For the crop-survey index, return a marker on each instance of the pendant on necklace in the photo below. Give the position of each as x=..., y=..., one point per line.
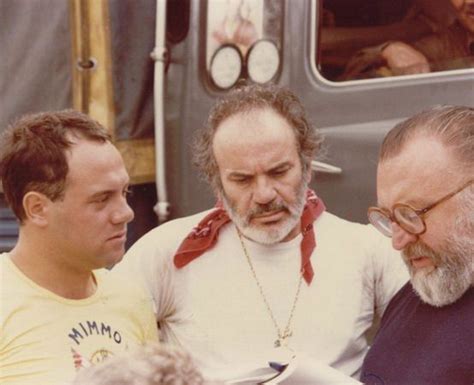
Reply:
x=282, y=340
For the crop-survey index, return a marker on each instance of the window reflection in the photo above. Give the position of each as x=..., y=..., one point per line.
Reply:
x=360, y=39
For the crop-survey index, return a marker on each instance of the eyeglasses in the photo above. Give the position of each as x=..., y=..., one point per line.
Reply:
x=409, y=219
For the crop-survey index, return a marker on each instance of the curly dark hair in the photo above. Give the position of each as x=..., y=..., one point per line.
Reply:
x=33, y=153
x=245, y=99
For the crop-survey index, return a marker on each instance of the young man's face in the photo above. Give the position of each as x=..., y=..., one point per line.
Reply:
x=439, y=260
x=90, y=223
x=263, y=187
x=465, y=13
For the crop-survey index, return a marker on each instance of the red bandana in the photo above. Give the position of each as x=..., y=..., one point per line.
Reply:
x=204, y=235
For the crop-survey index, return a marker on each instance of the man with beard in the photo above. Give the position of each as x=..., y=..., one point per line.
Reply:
x=268, y=266
x=426, y=204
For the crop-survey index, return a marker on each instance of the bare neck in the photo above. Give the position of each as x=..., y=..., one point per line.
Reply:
x=38, y=262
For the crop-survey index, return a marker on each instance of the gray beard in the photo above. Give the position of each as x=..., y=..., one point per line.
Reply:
x=452, y=276
x=271, y=235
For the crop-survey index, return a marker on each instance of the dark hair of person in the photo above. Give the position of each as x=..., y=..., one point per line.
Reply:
x=33, y=153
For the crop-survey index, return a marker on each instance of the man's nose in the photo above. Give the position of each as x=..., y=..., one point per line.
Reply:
x=264, y=191
x=400, y=237
x=123, y=213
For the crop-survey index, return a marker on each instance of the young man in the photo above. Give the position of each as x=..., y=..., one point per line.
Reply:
x=268, y=266
x=425, y=191
x=67, y=185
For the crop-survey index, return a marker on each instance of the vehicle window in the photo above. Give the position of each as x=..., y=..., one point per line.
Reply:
x=359, y=39
x=243, y=41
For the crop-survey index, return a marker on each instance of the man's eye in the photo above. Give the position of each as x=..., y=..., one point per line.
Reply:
x=279, y=172
x=127, y=192
x=102, y=199
x=241, y=180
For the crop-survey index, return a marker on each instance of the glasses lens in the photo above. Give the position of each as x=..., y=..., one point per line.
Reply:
x=381, y=222
x=408, y=219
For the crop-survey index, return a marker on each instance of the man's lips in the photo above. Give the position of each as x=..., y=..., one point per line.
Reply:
x=421, y=261
x=119, y=236
x=271, y=216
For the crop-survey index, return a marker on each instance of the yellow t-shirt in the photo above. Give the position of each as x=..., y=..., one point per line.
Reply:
x=45, y=338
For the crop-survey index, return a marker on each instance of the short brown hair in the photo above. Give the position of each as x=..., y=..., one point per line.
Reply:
x=452, y=125
x=245, y=99
x=32, y=153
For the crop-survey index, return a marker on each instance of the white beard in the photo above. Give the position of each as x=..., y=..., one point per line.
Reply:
x=452, y=276
x=272, y=234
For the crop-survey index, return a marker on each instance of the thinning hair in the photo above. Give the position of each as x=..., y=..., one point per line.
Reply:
x=33, y=153
x=452, y=125
x=243, y=100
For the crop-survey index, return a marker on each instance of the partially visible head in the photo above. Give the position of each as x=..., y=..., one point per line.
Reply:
x=150, y=365
x=465, y=13
x=256, y=153
x=423, y=159
x=66, y=183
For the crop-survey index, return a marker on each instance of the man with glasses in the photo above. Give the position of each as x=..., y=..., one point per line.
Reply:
x=425, y=204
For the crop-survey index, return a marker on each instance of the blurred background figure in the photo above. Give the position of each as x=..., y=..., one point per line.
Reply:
x=351, y=26
x=150, y=365
x=446, y=48
x=236, y=26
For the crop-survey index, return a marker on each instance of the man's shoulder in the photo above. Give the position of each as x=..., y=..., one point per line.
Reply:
x=173, y=231
x=12, y=279
x=117, y=285
x=332, y=223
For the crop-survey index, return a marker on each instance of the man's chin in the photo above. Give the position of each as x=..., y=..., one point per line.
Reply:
x=438, y=287
x=267, y=236
x=269, y=233
x=112, y=259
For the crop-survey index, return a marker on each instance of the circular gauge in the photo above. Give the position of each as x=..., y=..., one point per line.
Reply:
x=226, y=66
x=263, y=61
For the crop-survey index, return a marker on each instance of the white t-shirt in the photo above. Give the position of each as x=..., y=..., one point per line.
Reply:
x=213, y=306
x=45, y=339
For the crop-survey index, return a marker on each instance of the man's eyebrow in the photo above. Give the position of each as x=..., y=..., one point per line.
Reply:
x=100, y=193
x=108, y=191
x=238, y=174
x=282, y=164
x=416, y=203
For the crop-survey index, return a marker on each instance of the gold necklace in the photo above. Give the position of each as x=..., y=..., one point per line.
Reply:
x=287, y=333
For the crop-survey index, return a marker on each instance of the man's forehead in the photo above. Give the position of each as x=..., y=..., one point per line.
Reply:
x=422, y=168
x=95, y=162
x=255, y=125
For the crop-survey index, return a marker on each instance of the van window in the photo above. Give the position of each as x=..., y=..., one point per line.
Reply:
x=359, y=39
x=243, y=41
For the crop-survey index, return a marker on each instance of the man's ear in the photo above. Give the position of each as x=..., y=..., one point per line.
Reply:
x=36, y=205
